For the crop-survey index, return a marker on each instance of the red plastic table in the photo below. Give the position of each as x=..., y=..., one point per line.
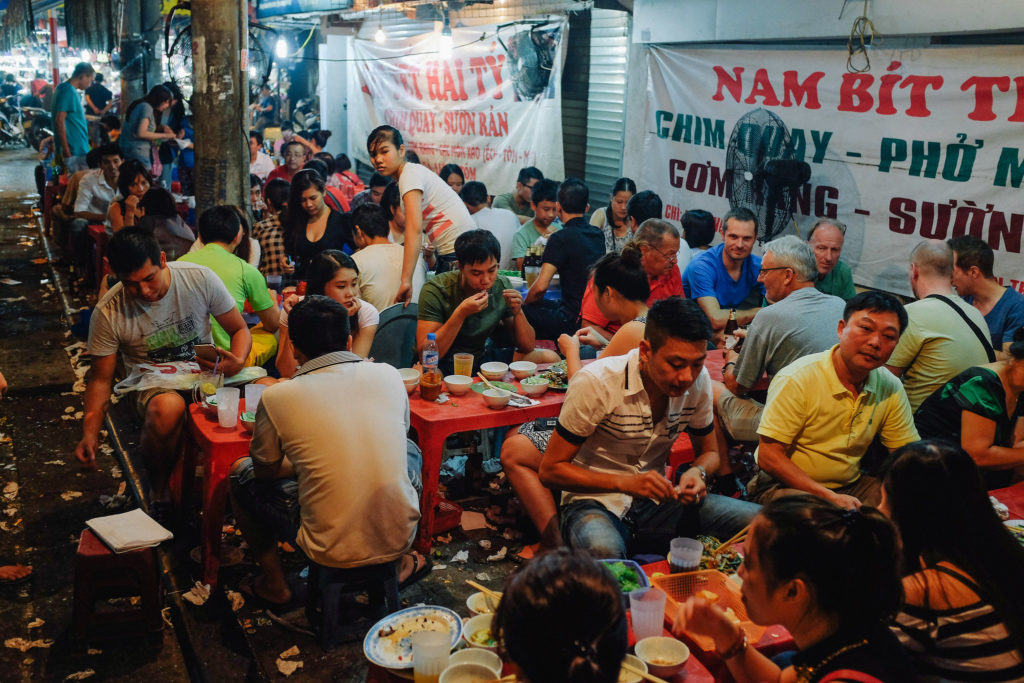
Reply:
x=221, y=447
x=1013, y=498
x=435, y=422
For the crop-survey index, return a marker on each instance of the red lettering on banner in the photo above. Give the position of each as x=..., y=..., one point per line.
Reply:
x=1018, y=114
x=495, y=66
x=918, y=93
x=853, y=93
x=794, y=91
x=734, y=85
x=982, y=86
x=462, y=83
x=477, y=66
x=762, y=88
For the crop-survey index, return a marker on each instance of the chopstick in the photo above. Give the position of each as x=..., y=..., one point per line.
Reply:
x=491, y=386
x=505, y=679
x=735, y=539
x=486, y=382
x=484, y=589
x=643, y=674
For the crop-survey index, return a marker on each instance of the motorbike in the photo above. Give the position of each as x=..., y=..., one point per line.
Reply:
x=11, y=130
x=305, y=118
x=37, y=124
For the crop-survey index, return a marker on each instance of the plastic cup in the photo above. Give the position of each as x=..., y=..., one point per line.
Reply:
x=647, y=611
x=227, y=406
x=430, y=652
x=463, y=364
x=274, y=283
x=685, y=554
x=253, y=392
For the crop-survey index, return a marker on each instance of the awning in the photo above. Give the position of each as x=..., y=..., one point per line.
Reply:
x=17, y=24
x=91, y=24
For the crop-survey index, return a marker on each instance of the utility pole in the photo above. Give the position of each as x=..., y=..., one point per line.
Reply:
x=142, y=48
x=152, y=40
x=221, y=102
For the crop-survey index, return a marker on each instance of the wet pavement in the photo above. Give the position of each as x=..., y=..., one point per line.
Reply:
x=47, y=499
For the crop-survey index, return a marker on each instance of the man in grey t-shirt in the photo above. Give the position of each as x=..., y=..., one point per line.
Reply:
x=800, y=321
x=157, y=313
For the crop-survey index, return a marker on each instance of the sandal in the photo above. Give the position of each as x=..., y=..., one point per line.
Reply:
x=18, y=581
x=418, y=570
x=247, y=587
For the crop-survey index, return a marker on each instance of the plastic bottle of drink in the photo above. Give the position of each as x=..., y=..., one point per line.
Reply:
x=430, y=354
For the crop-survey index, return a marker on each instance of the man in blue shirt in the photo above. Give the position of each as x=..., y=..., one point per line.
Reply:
x=724, y=278
x=71, y=133
x=973, y=279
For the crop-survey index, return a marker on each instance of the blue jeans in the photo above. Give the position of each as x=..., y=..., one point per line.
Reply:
x=648, y=527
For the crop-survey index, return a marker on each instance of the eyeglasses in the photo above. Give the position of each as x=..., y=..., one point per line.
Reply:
x=768, y=270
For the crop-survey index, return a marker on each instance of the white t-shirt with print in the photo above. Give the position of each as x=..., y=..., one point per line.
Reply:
x=163, y=331
x=445, y=217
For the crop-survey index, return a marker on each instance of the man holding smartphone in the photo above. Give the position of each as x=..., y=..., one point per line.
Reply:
x=158, y=313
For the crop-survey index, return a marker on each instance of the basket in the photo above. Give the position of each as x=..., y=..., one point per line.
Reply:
x=679, y=587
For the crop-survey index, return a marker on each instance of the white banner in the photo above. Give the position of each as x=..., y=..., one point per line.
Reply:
x=927, y=144
x=492, y=106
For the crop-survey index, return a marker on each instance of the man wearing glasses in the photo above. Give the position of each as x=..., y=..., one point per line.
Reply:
x=724, y=278
x=294, y=154
x=800, y=321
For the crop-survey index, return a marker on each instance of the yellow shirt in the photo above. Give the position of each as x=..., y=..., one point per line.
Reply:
x=827, y=429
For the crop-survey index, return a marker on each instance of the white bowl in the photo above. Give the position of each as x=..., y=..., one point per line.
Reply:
x=481, y=622
x=480, y=657
x=494, y=371
x=497, y=398
x=458, y=384
x=522, y=369
x=663, y=656
x=410, y=378
x=248, y=425
x=636, y=663
x=534, y=389
x=478, y=603
x=469, y=672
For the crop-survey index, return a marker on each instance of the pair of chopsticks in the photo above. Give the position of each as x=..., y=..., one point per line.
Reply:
x=491, y=386
x=484, y=589
x=642, y=674
x=741, y=536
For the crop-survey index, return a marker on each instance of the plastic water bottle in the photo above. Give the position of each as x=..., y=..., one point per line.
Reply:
x=430, y=354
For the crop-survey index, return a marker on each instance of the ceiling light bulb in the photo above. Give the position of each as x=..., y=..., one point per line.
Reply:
x=281, y=49
x=379, y=35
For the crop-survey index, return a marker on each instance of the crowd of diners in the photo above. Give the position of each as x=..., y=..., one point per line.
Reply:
x=881, y=428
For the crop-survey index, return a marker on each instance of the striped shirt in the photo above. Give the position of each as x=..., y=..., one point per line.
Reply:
x=953, y=634
x=607, y=413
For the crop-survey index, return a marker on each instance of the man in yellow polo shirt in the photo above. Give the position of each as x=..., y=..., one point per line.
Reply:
x=823, y=411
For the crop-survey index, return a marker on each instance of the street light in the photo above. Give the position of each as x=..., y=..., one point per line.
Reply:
x=281, y=48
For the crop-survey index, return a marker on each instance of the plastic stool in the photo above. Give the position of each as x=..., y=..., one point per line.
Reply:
x=327, y=585
x=101, y=574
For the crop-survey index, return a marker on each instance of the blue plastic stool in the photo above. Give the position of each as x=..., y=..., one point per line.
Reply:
x=327, y=585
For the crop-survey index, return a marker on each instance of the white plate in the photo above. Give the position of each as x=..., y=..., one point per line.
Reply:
x=394, y=651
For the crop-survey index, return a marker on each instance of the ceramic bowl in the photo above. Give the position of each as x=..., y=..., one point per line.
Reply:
x=458, y=384
x=536, y=387
x=494, y=371
x=522, y=369
x=468, y=672
x=629, y=677
x=497, y=398
x=475, y=655
x=474, y=628
x=410, y=378
x=663, y=656
x=479, y=603
x=248, y=421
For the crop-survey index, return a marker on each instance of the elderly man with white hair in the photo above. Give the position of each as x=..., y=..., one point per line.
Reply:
x=800, y=320
x=834, y=277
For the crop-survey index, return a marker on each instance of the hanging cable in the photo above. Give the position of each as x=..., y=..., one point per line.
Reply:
x=862, y=34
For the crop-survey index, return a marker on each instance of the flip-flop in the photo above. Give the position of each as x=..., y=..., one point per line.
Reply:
x=247, y=587
x=18, y=581
x=418, y=570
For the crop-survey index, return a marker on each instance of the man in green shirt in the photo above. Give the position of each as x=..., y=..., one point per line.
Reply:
x=472, y=304
x=543, y=198
x=518, y=202
x=834, y=276
x=221, y=231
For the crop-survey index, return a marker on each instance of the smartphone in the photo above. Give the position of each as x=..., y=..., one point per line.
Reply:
x=207, y=352
x=545, y=423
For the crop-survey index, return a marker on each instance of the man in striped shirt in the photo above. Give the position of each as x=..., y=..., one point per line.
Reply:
x=614, y=433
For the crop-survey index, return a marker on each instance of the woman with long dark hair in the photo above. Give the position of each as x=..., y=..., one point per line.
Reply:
x=613, y=219
x=963, y=618
x=453, y=175
x=334, y=274
x=142, y=128
x=133, y=181
x=831, y=577
x=310, y=226
x=561, y=620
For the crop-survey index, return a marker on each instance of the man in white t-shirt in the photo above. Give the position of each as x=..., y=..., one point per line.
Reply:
x=342, y=486
x=379, y=259
x=501, y=223
x=260, y=165
x=157, y=313
x=614, y=433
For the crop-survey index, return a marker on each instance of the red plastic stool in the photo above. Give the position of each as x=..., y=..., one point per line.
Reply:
x=101, y=574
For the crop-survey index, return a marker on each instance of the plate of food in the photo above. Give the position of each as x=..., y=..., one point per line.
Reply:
x=557, y=376
x=389, y=642
x=1016, y=527
x=480, y=387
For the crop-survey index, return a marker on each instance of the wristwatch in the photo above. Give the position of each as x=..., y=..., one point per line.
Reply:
x=701, y=470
